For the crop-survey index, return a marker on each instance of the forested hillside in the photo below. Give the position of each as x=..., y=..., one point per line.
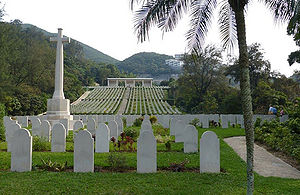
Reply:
x=88, y=52
x=147, y=63
x=27, y=65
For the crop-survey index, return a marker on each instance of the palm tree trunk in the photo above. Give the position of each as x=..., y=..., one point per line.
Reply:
x=246, y=95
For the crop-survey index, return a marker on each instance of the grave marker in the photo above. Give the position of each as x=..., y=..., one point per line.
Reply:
x=209, y=153
x=146, y=153
x=190, y=139
x=83, y=152
x=58, y=139
x=21, y=154
x=102, y=138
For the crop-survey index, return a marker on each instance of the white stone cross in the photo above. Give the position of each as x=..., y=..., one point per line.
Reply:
x=59, y=65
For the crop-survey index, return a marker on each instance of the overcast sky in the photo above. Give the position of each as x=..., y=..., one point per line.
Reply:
x=107, y=26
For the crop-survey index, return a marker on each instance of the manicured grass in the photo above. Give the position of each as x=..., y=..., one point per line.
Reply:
x=233, y=181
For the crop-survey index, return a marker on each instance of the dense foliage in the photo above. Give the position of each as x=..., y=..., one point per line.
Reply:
x=147, y=63
x=282, y=137
x=204, y=88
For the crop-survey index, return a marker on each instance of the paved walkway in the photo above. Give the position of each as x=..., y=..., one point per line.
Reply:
x=124, y=102
x=81, y=97
x=265, y=163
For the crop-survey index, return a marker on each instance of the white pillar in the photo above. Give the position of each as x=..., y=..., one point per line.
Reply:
x=59, y=65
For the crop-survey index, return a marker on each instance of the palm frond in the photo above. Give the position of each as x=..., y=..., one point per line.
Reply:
x=201, y=18
x=227, y=26
x=137, y=2
x=174, y=13
x=150, y=14
x=282, y=10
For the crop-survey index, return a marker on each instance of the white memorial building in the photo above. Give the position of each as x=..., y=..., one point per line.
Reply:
x=130, y=82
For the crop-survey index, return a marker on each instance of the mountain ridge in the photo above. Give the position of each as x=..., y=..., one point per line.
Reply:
x=89, y=52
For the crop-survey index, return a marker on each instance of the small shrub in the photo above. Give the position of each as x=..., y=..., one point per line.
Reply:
x=53, y=166
x=257, y=122
x=138, y=122
x=153, y=119
x=179, y=167
x=168, y=145
x=39, y=144
x=116, y=161
x=124, y=122
x=163, y=139
x=195, y=122
x=131, y=132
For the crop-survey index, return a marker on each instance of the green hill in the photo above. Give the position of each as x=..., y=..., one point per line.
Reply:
x=147, y=63
x=89, y=52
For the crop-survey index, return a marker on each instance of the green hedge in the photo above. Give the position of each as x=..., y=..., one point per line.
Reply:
x=283, y=137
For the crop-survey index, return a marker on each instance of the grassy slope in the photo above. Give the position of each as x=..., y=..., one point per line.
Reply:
x=231, y=182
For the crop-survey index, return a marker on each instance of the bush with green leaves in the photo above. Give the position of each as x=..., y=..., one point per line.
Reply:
x=153, y=119
x=40, y=144
x=131, y=132
x=138, y=122
x=124, y=121
x=49, y=165
x=116, y=161
x=195, y=122
x=280, y=136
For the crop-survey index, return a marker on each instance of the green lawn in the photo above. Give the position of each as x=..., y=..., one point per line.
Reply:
x=233, y=181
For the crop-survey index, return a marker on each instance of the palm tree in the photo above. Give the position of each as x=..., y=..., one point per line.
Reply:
x=166, y=13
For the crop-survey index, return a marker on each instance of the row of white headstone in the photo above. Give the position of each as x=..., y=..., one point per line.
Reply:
x=209, y=148
x=21, y=154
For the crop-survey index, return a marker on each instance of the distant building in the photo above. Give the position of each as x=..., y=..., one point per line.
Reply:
x=177, y=62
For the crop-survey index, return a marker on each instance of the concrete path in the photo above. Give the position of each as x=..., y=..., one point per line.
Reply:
x=124, y=102
x=265, y=163
x=81, y=97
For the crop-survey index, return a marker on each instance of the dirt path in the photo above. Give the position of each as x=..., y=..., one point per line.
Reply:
x=265, y=163
x=124, y=102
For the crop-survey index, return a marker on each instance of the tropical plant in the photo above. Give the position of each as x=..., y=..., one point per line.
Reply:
x=166, y=14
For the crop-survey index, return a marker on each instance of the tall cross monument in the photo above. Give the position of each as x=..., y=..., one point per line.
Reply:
x=58, y=107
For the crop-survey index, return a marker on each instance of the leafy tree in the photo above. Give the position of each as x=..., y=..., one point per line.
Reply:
x=200, y=70
x=259, y=68
x=294, y=29
x=166, y=13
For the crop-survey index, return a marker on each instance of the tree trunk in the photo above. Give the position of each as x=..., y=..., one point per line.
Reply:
x=246, y=95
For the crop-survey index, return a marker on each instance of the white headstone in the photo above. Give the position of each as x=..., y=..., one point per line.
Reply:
x=120, y=125
x=205, y=121
x=113, y=127
x=172, y=126
x=45, y=130
x=23, y=121
x=83, y=152
x=224, y=121
x=179, y=131
x=146, y=153
x=21, y=154
x=190, y=139
x=65, y=122
x=36, y=126
x=102, y=138
x=91, y=126
x=58, y=139
x=209, y=153
x=129, y=121
x=10, y=133
x=146, y=125
x=78, y=125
